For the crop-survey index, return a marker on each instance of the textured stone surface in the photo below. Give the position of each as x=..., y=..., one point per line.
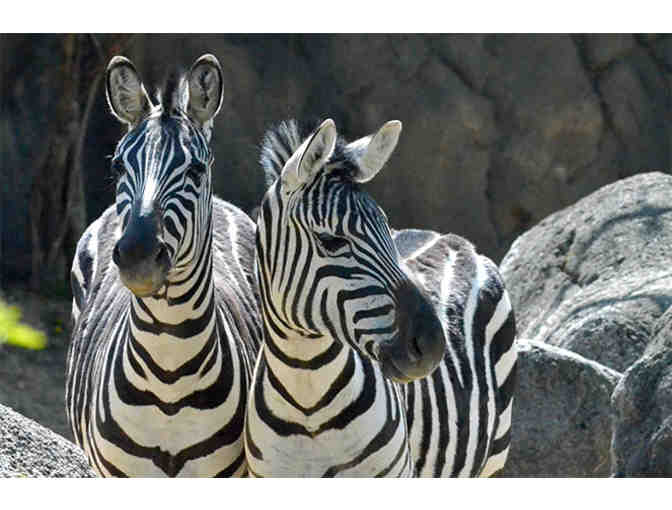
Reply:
x=642, y=402
x=499, y=130
x=609, y=334
x=561, y=424
x=27, y=449
x=602, y=49
x=635, y=91
x=595, y=277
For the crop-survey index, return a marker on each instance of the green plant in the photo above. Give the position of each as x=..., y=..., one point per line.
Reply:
x=15, y=333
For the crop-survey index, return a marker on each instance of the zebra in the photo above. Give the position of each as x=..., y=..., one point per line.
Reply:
x=165, y=302
x=385, y=353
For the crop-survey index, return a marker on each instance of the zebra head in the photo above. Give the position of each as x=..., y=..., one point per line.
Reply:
x=326, y=261
x=163, y=165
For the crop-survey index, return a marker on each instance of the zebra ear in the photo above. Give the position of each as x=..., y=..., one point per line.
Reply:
x=206, y=88
x=372, y=152
x=310, y=157
x=125, y=92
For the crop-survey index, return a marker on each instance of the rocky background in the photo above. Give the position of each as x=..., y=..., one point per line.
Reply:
x=499, y=133
x=499, y=130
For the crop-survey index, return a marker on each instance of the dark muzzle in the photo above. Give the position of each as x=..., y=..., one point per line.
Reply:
x=420, y=345
x=141, y=254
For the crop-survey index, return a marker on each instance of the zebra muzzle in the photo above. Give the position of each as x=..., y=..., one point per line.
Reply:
x=420, y=344
x=406, y=360
x=147, y=277
x=143, y=260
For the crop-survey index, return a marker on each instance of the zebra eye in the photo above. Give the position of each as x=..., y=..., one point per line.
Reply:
x=332, y=243
x=196, y=171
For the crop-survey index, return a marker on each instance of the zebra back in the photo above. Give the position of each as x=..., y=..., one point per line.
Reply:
x=475, y=384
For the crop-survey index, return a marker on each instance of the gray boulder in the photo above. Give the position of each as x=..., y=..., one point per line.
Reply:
x=561, y=421
x=642, y=402
x=27, y=449
x=594, y=277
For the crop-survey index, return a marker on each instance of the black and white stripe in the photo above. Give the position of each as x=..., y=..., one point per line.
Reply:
x=460, y=416
x=157, y=376
x=335, y=286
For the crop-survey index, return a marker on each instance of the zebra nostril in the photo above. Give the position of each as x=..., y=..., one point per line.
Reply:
x=414, y=348
x=162, y=254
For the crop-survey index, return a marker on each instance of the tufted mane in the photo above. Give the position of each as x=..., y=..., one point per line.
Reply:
x=173, y=92
x=283, y=139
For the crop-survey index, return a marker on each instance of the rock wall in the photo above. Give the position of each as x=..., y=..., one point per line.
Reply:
x=499, y=130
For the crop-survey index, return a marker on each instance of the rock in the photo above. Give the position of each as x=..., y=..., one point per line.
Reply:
x=467, y=56
x=663, y=51
x=561, y=423
x=447, y=143
x=551, y=126
x=642, y=402
x=608, y=334
x=637, y=99
x=594, y=277
x=602, y=49
x=27, y=449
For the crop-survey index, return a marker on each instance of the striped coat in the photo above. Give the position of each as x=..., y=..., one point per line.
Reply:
x=352, y=309
x=165, y=300
x=130, y=414
x=459, y=417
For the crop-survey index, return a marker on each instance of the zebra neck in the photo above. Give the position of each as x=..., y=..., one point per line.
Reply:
x=177, y=327
x=306, y=371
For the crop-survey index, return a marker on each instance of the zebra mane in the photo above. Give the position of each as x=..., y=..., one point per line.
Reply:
x=278, y=145
x=282, y=140
x=173, y=94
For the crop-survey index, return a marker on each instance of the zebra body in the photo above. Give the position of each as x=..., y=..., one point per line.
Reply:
x=302, y=426
x=327, y=397
x=459, y=416
x=165, y=301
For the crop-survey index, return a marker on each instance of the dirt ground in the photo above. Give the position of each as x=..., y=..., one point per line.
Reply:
x=33, y=382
